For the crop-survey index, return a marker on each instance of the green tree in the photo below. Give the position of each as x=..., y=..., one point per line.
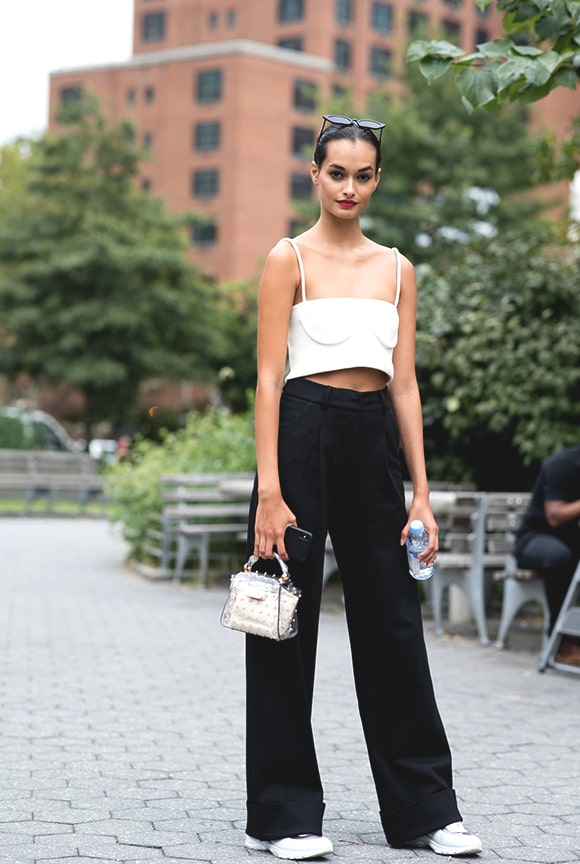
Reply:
x=14, y=160
x=447, y=174
x=95, y=288
x=498, y=359
x=233, y=351
x=539, y=51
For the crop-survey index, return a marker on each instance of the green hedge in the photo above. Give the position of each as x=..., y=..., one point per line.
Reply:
x=12, y=434
x=210, y=441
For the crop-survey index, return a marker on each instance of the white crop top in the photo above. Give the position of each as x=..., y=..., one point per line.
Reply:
x=332, y=333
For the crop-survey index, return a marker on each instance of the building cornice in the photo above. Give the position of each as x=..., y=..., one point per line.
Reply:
x=209, y=51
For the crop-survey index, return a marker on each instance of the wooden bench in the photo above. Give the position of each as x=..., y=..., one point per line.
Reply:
x=34, y=474
x=457, y=562
x=198, y=525
x=15, y=473
x=480, y=543
x=56, y=474
x=504, y=514
x=196, y=510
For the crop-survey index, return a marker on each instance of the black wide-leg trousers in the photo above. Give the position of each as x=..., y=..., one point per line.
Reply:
x=340, y=472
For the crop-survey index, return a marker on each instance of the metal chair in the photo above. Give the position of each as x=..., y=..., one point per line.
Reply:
x=567, y=624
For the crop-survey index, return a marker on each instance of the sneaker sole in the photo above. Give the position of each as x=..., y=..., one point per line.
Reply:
x=426, y=843
x=448, y=850
x=267, y=846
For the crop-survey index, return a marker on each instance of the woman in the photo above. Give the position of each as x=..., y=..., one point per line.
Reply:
x=327, y=443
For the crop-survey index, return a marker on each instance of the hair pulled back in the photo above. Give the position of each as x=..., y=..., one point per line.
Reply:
x=349, y=133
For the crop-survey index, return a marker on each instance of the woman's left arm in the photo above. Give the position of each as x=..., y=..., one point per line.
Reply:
x=406, y=401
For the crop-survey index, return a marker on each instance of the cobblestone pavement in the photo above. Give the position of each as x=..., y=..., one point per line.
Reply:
x=121, y=722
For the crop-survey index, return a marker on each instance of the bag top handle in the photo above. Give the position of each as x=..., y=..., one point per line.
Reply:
x=283, y=566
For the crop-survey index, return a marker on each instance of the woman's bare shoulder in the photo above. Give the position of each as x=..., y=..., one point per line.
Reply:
x=280, y=256
x=281, y=250
x=281, y=264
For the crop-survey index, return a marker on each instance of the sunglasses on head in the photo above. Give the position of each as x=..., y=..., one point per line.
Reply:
x=339, y=120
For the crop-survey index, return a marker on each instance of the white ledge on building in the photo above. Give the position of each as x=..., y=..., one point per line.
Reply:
x=214, y=49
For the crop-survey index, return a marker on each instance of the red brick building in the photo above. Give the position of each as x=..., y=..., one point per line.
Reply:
x=225, y=96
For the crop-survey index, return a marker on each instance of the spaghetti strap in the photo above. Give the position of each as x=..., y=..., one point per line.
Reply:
x=398, y=257
x=294, y=245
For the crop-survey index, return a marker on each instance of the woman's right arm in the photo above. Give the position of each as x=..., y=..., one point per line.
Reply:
x=278, y=285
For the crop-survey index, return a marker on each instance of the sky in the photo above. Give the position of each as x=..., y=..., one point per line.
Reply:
x=38, y=37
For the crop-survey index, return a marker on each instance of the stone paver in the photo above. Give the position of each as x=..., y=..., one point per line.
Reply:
x=122, y=722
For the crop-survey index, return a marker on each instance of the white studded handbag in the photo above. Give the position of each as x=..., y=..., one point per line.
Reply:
x=263, y=604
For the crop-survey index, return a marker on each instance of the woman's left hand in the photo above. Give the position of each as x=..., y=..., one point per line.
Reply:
x=425, y=514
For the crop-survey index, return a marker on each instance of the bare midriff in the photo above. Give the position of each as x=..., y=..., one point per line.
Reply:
x=360, y=378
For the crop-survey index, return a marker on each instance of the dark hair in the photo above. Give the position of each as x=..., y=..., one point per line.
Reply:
x=350, y=133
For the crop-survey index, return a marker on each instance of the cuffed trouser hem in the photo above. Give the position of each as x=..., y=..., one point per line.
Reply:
x=285, y=819
x=422, y=817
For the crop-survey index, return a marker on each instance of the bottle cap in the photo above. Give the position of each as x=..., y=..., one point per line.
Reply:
x=416, y=526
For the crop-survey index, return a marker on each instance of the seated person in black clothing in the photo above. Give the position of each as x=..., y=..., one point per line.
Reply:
x=548, y=540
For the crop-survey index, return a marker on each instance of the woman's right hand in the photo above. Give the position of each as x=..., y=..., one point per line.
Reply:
x=272, y=518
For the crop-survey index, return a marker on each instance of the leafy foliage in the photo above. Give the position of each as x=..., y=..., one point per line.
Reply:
x=12, y=434
x=95, y=289
x=499, y=359
x=446, y=174
x=210, y=441
x=14, y=173
x=539, y=52
x=232, y=353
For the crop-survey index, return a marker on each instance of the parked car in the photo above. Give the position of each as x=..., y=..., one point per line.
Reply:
x=41, y=431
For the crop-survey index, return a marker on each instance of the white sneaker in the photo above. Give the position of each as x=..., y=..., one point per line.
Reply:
x=451, y=840
x=295, y=848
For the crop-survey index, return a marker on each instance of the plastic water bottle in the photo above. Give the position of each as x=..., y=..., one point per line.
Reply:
x=417, y=541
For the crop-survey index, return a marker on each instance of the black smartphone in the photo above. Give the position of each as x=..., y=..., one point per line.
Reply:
x=297, y=542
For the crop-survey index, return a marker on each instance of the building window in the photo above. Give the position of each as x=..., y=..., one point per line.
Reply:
x=300, y=187
x=302, y=141
x=149, y=95
x=207, y=136
x=380, y=62
x=70, y=94
x=204, y=233
x=290, y=10
x=147, y=141
x=304, y=95
x=382, y=17
x=153, y=27
x=131, y=96
x=232, y=18
x=418, y=22
x=342, y=54
x=452, y=31
x=344, y=11
x=339, y=91
x=209, y=85
x=454, y=3
x=212, y=20
x=145, y=185
x=205, y=183
x=293, y=44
